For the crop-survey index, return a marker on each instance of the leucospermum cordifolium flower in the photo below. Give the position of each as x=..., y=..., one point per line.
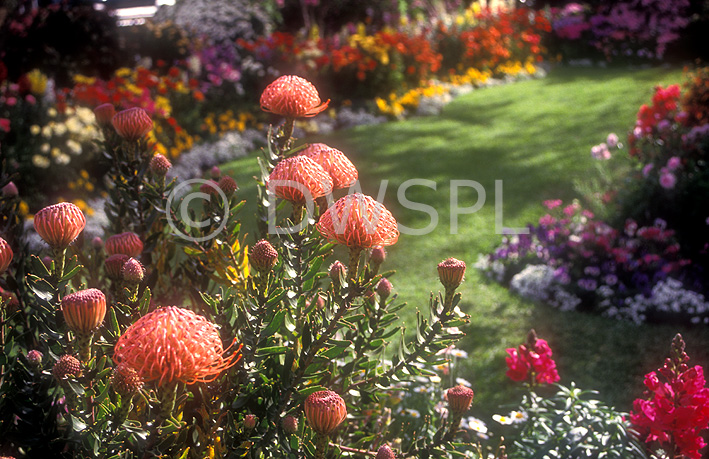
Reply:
x=84, y=310
x=293, y=97
x=5, y=255
x=132, y=124
x=357, y=220
x=127, y=243
x=174, y=344
x=325, y=411
x=59, y=224
x=334, y=162
x=298, y=179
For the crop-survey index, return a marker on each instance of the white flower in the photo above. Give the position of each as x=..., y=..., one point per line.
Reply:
x=40, y=161
x=502, y=419
x=73, y=146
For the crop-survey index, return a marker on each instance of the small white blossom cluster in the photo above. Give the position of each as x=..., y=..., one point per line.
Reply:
x=533, y=282
x=668, y=296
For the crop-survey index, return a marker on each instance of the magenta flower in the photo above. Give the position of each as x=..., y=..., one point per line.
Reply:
x=668, y=180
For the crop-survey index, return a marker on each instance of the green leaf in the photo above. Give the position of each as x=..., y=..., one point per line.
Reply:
x=275, y=324
x=77, y=424
x=272, y=350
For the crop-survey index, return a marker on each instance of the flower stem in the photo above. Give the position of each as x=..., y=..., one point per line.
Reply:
x=321, y=446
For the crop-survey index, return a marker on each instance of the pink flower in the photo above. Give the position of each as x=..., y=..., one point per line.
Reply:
x=535, y=357
x=4, y=124
x=673, y=163
x=601, y=152
x=612, y=140
x=552, y=203
x=668, y=180
x=647, y=168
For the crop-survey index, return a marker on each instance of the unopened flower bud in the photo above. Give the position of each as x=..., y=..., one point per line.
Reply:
x=126, y=243
x=384, y=288
x=84, y=310
x=114, y=265
x=337, y=271
x=459, y=399
x=325, y=411
x=159, y=165
x=104, y=114
x=385, y=452
x=125, y=380
x=97, y=243
x=250, y=421
x=132, y=124
x=228, y=185
x=263, y=256
x=290, y=424
x=66, y=366
x=133, y=271
x=210, y=187
x=451, y=272
x=6, y=255
x=378, y=255
x=58, y=225
x=215, y=172
x=9, y=190
x=34, y=357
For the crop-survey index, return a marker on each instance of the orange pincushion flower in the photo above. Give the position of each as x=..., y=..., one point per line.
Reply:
x=293, y=97
x=357, y=220
x=294, y=175
x=325, y=410
x=84, y=310
x=126, y=243
x=5, y=255
x=132, y=124
x=59, y=224
x=335, y=163
x=174, y=344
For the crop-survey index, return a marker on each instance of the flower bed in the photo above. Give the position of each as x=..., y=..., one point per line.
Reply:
x=647, y=259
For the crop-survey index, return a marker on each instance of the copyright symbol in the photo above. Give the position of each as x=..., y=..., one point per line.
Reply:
x=185, y=201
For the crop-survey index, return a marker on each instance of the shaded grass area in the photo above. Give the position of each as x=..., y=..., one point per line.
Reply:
x=535, y=137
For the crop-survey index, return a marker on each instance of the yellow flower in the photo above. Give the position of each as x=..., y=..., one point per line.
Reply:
x=34, y=129
x=24, y=209
x=38, y=82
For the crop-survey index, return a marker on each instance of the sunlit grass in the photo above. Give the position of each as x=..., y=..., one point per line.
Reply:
x=535, y=137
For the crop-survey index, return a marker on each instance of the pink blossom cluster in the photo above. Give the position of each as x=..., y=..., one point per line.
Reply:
x=532, y=360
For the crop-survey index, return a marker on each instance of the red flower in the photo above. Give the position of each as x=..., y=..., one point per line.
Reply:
x=325, y=410
x=174, y=344
x=535, y=357
x=59, y=224
x=335, y=163
x=84, y=310
x=675, y=409
x=357, y=220
x=5, y=255
x=127, y=243
x=263, y=256
x=298, y=176
x=293, y=97
x=114, y=265
x=132, y=124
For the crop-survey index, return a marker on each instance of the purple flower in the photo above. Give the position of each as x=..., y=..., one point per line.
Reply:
x=647, y=168
x=588, y=284
x=668, y=180
x=673, y=163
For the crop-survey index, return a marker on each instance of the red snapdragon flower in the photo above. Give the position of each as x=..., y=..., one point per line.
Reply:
x=675, y=409
x=534, y=356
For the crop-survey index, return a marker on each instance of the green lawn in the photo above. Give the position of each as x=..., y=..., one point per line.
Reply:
x=535, y=136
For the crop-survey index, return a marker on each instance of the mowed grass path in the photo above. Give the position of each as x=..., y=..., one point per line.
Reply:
x=534, y=136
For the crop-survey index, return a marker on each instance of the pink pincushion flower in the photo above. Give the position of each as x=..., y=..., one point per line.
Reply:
x=293, y=97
